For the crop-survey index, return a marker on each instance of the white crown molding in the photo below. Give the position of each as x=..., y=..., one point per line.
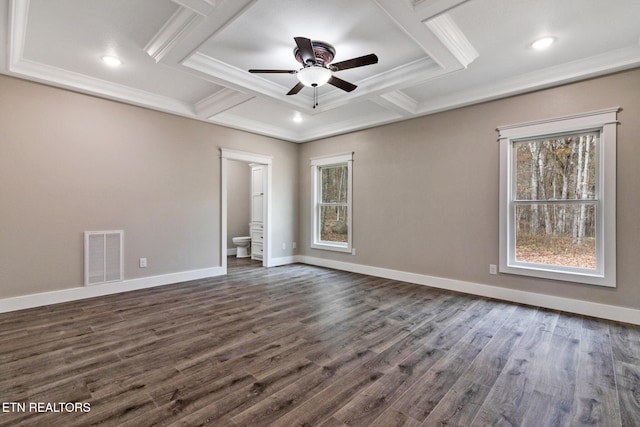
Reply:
x=201, y=7
x=606, y=63
x=427, y=9
x=80, y=82
x=406, y=18
x=401, y=106
x=350, y=125
x=222, y=73
x=17, y=33
x=228, y=75
x=398, y=101
x=79, y=293
x=254, y=126
x=220, y=101
x=21, y=67
x=453, y=38
x=176, y=28
x=586, y=308
x=410, y=74
x=390, y=89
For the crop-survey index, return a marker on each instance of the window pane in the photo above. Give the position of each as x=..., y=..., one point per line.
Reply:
x=556, y=234
x=333, y=224
x=558, y=168
x=334, y=184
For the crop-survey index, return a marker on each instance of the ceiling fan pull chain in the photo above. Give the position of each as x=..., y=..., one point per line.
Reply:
x=315, y=96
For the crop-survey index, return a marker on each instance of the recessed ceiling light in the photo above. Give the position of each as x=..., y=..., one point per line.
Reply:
x=543, y=43
x=111, y=61
x=297, y=117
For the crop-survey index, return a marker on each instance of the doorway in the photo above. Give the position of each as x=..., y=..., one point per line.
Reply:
x=246, y=157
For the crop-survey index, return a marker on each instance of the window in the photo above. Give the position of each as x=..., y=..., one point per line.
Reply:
x=557, y=198
x=331, y=203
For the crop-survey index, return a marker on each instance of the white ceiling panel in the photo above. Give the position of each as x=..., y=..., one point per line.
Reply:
x=190, y=57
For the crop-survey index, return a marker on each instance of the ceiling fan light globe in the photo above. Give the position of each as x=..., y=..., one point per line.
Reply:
x=314, y=76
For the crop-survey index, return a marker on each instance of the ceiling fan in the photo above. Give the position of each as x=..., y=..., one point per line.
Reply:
x=315, y=57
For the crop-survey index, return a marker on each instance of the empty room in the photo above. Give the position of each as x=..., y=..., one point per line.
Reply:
x=319, y=213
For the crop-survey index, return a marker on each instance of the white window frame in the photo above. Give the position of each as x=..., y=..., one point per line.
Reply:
x=606, y=122
x=316, y=164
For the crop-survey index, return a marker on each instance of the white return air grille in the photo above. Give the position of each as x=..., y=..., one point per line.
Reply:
x=102, y=257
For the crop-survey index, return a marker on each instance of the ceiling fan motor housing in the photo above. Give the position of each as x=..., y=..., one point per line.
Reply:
x=324, y=53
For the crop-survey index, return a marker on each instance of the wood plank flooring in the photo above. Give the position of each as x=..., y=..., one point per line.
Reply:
x=301, y=345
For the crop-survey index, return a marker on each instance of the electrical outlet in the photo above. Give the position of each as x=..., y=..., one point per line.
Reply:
x=284, y=246
x=293, y=245
x=143, y=263
x=493, y=269
x=353, y=251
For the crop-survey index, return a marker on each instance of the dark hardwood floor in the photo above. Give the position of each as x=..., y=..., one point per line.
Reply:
x=301, y=345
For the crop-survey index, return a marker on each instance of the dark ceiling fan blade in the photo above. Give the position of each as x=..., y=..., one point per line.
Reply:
x=341, y=84
x=305, y=48
x=297, y=88
x=274, y=71
x=355, y=62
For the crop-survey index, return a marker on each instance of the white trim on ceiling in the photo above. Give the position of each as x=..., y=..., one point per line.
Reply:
x=176, y=28
x=621, y=59
x=398, y=101
x=426, y=9
x=220, y=102
x=176, y=46
x=413, y=25
x=18, y=18
x=452, y=37
x=201, y=7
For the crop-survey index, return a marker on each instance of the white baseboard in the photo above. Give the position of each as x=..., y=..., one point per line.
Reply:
x=72, y=294
x=276, y=262
x=232, y=251
x=587, y=308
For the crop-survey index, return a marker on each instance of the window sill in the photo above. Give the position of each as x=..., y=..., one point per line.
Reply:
x=586, y=277
x=331, y=247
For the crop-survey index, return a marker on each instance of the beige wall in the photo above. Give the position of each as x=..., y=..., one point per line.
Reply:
x=71, y=162
x=426, y=190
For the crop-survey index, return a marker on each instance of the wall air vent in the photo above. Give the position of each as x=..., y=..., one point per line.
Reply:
x=103, y=261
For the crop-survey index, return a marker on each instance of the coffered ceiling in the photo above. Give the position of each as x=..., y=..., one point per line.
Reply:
x=190, y=57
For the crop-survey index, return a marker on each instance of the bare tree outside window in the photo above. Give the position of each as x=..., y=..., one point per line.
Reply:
x=333, y=203
x=555, y=200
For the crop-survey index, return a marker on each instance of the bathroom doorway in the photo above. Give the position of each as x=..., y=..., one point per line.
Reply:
x=227, y=155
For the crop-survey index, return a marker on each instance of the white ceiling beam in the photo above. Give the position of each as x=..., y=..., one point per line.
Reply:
x=221, y=14
x=427, y=9
x=618, y=60
x=176, y=28
x=193, y=22
x=220, y=101
x=397, y=101
x=201, y=7
x=402, y=13
x=453, y=38
x=18, y=17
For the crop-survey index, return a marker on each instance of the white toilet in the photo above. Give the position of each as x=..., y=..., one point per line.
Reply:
x=243, y=244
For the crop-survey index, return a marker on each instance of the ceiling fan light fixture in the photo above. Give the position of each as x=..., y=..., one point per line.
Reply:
x=314, y=76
